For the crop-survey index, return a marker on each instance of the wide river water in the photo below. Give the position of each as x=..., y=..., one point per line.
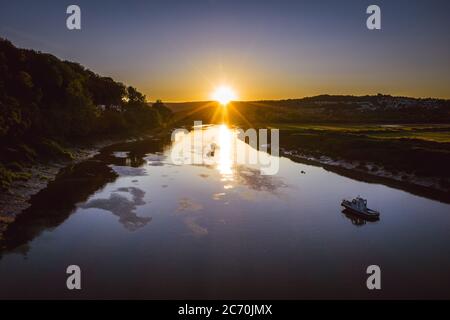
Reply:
x=141, y=225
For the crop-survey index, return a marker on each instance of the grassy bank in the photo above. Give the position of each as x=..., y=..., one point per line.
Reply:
x=406, y=151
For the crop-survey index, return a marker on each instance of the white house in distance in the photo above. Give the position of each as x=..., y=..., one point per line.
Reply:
x=103, y=107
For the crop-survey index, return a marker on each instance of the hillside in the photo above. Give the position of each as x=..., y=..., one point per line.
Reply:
x=326, y=108
x=47, y=103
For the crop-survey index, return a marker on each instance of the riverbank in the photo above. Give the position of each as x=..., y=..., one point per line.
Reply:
x=414, y=155
x=430, y=187
x=38, y=175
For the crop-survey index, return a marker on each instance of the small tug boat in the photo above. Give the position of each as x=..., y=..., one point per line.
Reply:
x=359, y=206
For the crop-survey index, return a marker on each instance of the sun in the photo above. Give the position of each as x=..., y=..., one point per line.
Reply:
x=224, y=94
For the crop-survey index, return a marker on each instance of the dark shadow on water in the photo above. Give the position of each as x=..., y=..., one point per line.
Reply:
x=74, y=185
x=53, y=205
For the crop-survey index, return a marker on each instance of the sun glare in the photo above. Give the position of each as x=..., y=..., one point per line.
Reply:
x=224, y=95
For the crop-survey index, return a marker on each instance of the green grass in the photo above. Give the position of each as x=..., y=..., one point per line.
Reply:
x=8, y=175
x=14, y=162
x=420, y=149
x=427, y=132
x=443, y=137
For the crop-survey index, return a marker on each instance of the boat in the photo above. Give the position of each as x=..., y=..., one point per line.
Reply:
x=212, y=152
x=358, y=206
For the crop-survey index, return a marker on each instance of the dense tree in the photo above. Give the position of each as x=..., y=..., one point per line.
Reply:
x=42, y=98
x=135, y=98
x=41, y=95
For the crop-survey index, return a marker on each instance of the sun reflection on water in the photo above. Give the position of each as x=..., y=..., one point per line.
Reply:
x=225, y=160
x=218, y=147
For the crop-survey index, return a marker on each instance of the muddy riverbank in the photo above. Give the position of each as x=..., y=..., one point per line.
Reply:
x=17, y=198
x=429, y=187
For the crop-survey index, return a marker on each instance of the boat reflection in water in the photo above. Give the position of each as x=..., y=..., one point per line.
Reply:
x=357, y=219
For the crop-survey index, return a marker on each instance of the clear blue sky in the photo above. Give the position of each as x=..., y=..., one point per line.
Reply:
x=181, y=50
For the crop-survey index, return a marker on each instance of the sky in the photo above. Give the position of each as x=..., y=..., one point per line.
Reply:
x=182, y=50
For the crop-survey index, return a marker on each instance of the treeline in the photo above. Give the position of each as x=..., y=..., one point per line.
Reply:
x=345, y=111
x=324, y=109
x=45, y=102
x=42, y=95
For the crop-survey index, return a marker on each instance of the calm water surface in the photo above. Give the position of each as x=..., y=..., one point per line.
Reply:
x=141, y=226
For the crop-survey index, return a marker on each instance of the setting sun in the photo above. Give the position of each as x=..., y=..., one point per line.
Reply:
x=223, y=95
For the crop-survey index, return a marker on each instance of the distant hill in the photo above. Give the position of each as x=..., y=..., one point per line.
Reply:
x=327, y=108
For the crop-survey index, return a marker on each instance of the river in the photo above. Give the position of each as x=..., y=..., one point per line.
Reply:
x=141, y=225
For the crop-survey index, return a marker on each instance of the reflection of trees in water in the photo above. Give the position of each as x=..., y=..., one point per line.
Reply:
x=128, y=171
x=75, y=184
x=53, y=205
x=122, y=207
x=156, y=160
x=136, y=152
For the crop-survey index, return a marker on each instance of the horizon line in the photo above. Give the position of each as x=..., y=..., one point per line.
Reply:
x=312, y=96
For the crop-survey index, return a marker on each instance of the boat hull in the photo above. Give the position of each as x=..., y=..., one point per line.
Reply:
x=373, y=216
